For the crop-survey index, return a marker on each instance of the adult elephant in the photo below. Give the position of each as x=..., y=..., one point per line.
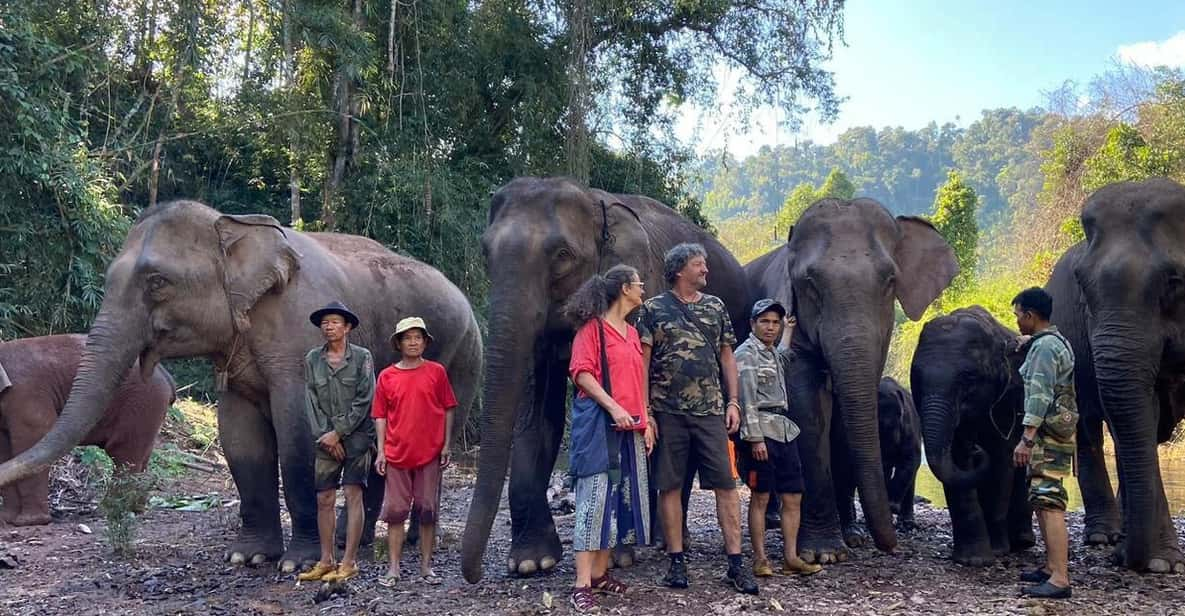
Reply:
x=968, y=389
x=1120, y=298
x=189, y=282
x=841, y=268
x=544, y=238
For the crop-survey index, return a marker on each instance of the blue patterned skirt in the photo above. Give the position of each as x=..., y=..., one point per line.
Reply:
x=608, y=515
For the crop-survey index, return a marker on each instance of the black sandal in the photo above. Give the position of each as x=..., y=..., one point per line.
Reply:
x=1036, y=576
x=583, y=599
x=1047, y=591
x=607, y=583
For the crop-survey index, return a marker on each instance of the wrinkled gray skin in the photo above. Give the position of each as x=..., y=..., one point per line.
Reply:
x=191, y=282
x=41, y=371
x=844, y=265
x=901, y=447
x=970, y=396
x=543, y=240
x=1120, y=298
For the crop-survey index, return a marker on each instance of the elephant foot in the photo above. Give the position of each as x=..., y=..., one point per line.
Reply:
x=906, y=525
x=36, y=518
x=974, y=555
x=301, y=553
x=854, y=537
x=1100, y=534
x=623, y=556
x=823, y=549
x=538, y=554
x=1165, y=559
x=248, y=550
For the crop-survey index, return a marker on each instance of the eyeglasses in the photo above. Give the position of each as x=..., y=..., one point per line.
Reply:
x=639, y=283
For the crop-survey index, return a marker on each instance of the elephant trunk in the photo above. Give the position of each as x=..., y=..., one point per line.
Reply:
x=938, y=428
x=507, y=366
x=111, y=346
x=1125, y=366
x=855, y=378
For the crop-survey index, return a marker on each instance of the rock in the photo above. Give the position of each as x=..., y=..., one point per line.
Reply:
x=8, y=560
x=84, y=529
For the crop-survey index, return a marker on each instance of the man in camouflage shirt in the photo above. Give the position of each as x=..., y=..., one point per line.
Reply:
x=687, y=343
x=769, y=453
x=1047, y=444
x=339, y=379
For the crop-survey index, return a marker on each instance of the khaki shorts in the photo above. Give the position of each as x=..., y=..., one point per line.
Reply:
x=1052, y=462
x=330, y=474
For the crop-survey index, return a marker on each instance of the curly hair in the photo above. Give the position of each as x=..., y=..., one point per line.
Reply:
x=676, y=259
x=598, y=293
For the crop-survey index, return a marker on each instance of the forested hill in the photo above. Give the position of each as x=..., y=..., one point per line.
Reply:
x=901, y=168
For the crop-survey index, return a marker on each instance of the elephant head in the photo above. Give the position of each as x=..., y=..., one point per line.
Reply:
x=1131, y=273
x=182, y=285
x=965, y=381
x=848, y=261
x=544, y=238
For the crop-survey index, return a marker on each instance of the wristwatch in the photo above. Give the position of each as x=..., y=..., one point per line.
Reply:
x=1028, y=442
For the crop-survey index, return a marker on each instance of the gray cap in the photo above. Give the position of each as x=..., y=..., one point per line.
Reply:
x=762, y=306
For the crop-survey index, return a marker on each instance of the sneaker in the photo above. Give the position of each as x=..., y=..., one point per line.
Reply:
x=761, y=568
x=742, y=580
x=677, y=575
x=799, y=566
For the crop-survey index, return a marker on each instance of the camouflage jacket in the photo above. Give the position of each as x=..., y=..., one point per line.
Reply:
x=339, y=399
x=1047, y=371
x=684, y=369
x=763, y=386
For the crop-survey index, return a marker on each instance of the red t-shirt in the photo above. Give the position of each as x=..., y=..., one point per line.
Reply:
x=414, y=403
x=625, y=364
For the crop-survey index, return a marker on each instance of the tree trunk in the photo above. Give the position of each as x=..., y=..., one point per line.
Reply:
x=347, y=107
x=577, y=141
x=250, y=41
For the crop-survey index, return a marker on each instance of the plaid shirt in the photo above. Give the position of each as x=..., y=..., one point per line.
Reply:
x=763, y=386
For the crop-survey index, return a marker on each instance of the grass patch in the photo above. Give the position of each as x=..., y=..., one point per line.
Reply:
x=191, y=424
x=124, y=494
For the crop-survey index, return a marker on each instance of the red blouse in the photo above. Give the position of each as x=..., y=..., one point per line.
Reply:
x=625, y=365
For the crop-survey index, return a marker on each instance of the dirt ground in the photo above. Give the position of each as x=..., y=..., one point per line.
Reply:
x=179, y=569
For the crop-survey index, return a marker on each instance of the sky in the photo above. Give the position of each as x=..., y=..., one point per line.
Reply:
x=907, y=63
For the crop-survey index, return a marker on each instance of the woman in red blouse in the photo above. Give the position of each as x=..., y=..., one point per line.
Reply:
x=610, y=439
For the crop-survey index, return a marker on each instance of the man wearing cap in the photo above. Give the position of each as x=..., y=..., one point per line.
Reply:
x=339, y=379
x=413, y=407
x=769, y=454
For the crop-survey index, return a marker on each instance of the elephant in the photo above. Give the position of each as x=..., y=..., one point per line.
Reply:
x=901, y=447
x=190, y=281
x=844, y=263
x=969, y=393
x=39, y=374
x=545, y=236
x=1119, y=297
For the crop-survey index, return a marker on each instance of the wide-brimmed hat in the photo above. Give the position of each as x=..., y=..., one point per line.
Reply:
x=763, y=306
x=334, y=307
x=406, y=324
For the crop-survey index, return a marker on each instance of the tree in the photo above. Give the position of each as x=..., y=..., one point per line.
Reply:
x=796, y=203
x=837, y=185
x=954, y=217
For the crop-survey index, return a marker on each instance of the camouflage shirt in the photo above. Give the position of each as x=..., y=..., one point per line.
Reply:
x=1049, y=365
x=684, y=369
x=339, y=399
x=763, y=392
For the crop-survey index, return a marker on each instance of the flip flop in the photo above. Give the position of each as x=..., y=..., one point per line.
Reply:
x=431, y=579
x=389, y=581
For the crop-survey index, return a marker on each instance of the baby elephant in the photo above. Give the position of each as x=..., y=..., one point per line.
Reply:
x=36, y=375
x=901, y=447
x=969, y=394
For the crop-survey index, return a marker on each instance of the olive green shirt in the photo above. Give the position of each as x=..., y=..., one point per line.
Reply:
x=338, y=399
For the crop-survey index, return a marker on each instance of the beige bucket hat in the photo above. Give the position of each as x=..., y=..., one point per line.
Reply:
x=406, y=324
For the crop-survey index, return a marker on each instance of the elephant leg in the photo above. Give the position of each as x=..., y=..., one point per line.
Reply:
x=1102, y=524
x=249, y=442
x=819, y=538
x=1020, y=514
x=905, y=519
x=972, y=545
x=293, y=441
x=32, y=500
x=535, y=545
x=993, y=494
x=9, y=494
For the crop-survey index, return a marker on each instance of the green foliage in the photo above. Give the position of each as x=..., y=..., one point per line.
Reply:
x=954, y=217
x=124, y=494
x=749, y=237
x=796, y=203
x=1126, y=156
x=837, y=185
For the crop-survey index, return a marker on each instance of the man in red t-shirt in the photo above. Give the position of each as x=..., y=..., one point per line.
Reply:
x=413, y=413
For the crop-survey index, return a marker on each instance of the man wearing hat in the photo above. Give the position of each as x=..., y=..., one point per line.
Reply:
x=768, y=452
x=339, y=379
x=413, y=408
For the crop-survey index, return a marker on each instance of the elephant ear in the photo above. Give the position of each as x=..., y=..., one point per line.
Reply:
x=4, y=382
x=256, y=259
x=925, y=265
x=628, y=241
